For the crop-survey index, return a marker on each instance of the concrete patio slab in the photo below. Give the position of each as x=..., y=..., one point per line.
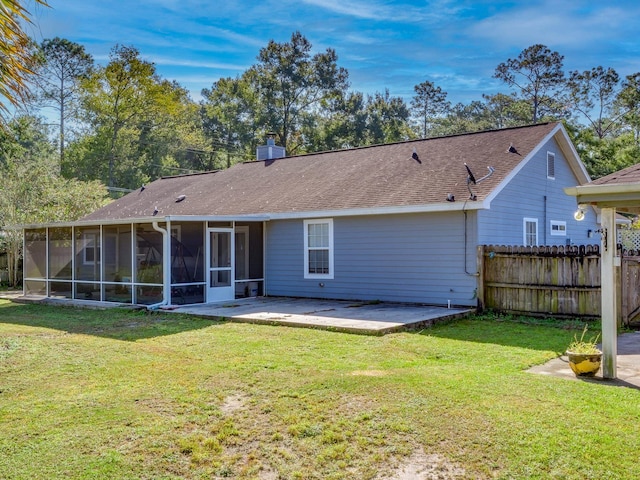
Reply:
x=371, y=318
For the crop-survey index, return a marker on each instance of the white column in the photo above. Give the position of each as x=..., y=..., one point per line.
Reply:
x=166, y=267
x=609, y=310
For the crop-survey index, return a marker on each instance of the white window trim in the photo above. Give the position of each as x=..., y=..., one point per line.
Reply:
x=524, y=230
x=560, y=232
x=306, y=223
x=176, y=231
x=91, y=240
x=553, y=157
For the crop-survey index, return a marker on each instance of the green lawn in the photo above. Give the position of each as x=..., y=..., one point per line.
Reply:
x=122, y=394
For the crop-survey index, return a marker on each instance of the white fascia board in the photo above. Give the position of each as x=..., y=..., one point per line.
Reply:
x=91, y=223
x=616, y=188
x=168, y=218
x=457, y=206
x=573, y=159
x=219, y=218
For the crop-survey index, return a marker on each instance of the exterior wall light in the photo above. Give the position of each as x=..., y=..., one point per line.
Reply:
x=579, y=213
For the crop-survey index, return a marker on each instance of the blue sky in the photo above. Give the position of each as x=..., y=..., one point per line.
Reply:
x=392, y=44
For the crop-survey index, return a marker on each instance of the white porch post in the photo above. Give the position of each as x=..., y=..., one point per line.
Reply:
x=609, y=311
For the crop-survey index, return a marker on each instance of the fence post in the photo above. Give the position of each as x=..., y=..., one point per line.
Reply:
x=480, y=285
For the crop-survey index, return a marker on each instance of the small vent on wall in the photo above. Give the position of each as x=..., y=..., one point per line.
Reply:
x=551, y=165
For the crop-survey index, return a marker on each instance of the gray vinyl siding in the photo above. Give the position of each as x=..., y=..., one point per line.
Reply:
x=531, y=194
x=402, y=258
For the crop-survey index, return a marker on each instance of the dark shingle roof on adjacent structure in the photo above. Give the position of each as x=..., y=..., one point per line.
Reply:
x=627, y=175
x=360, y=178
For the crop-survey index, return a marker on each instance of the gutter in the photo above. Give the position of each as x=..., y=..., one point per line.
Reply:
x=601, y=189
x=292, y=215
x=138, y=220
x=166, y=267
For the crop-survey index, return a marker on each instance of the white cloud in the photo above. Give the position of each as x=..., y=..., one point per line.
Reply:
x=431, y=12
x=360, y=39
x=368, y=10
x=551, y=23
x=193, y=63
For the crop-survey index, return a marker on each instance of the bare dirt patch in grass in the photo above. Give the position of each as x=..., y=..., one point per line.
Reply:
x=420, y=466
x=233, y=403
x=370, y=373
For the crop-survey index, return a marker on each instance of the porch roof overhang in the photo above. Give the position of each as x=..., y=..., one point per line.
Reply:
x=624, y=197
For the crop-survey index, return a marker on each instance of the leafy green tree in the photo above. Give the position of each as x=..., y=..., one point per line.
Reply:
x=117, y=100
x=141, y=126
x=17, y=57
x=344, y=125
x=603, y=156
x=627, y=105
x=291, y=83
x=592, y=94
x=506, y=110
x=387, y=119
x=229, y=120
x=170, y=135
x=538, y=73
x=428, y=103
x=462, y=118
x=63, y=64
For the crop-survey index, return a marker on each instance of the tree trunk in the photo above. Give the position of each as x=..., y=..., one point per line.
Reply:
x=13, y=259
x=10, y=268
x=112, y=155
x=62, y=112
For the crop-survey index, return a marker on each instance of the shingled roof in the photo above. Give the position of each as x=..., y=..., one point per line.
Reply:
x=626, y=175
x=619, y=190
x=376, y=177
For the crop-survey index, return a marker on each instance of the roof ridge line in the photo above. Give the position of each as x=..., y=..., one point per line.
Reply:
x=414, y=140
x=182, y=175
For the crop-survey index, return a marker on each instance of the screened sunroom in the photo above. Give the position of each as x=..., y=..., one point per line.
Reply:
x=165, y=262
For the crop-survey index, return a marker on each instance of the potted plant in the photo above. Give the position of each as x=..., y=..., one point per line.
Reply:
x=584, y=355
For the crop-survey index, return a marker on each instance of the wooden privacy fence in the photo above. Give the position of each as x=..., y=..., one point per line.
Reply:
x=545, y=280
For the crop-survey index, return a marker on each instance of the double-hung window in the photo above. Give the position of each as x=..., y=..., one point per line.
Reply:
x=318, y=248
x=530, y=232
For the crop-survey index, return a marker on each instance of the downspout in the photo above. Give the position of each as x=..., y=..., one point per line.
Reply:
x=166, y=267
x=471, y=274
x=24, y=264
x=264, y=259
x=47, y=269
x=544, y=228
